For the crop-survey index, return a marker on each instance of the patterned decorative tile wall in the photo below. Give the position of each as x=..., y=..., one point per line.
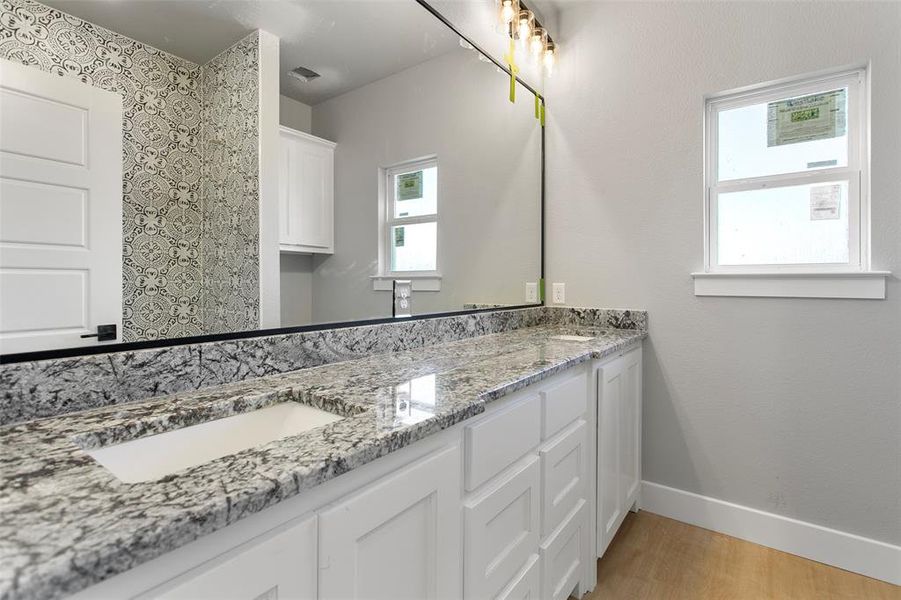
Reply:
x=229, y=249
x=163, y=204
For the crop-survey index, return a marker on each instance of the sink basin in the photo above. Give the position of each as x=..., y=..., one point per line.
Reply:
x=155, y=456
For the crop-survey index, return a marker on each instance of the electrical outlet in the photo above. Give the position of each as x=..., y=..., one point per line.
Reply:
x=531, y=292
x=559, y=293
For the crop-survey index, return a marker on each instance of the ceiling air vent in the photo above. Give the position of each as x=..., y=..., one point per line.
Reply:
x=303, y=74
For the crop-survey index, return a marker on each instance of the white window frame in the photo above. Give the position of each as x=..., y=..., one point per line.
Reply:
x=423, y=280
x=793, y=280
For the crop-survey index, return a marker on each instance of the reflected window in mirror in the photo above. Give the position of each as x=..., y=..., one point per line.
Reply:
x=411, y=230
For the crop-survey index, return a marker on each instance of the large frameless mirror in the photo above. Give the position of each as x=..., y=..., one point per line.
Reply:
x=179, y=169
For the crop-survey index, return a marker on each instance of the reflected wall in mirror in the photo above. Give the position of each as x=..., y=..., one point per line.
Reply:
x=188, y=168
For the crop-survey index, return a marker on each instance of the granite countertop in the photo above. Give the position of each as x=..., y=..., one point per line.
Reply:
x=68, y=523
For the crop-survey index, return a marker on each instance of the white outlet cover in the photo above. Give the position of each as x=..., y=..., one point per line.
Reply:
x=559, y=293
x=531, y=291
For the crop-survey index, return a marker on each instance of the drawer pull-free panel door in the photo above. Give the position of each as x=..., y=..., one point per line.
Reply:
x=526, y=585
x=398, y=539
x=563, y=403
x=501, y=439
x=282, y=566
x=563, y=476
x=561, y=556
x=501, y=530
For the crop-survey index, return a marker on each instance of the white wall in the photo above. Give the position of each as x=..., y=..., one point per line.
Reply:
x=295, y=114
x=792, y=406
x=488, y=149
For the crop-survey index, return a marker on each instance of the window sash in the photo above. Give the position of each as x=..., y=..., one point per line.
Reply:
x=854, y=174
x=391, y=221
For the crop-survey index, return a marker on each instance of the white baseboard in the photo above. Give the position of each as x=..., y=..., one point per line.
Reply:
x=872, y=558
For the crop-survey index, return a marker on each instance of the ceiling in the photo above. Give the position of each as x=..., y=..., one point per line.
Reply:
x=348, y=42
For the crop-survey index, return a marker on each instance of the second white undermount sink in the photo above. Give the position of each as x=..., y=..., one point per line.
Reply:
x=155, y=456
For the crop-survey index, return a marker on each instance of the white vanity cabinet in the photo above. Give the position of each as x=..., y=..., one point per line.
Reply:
x=397, y=538
x=503, y=505
x=306, y=193
x=619, y=442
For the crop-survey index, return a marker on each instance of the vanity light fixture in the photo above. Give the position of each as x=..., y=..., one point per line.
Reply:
x=519, y=24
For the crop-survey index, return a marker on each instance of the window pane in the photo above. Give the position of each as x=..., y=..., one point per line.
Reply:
x=416, y=193
x=765, y=139
x=414, y=247
x=803, y=224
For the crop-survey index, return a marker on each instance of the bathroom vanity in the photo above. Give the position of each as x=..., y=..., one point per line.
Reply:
x=494, y=466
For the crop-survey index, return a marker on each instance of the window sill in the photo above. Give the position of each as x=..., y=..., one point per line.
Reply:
x=867, y=285
x=420, y=283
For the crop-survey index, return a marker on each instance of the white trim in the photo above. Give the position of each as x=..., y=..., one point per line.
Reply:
x=419, y=283
x=865, y=285
x=268, y=149
x=306, y=136
x=855, y=553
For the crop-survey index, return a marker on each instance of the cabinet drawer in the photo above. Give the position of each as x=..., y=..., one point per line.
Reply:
x=282, y=566
x=563, y=403
x=501, y=531
x=501, y=439
x=561, y=556
x=525, y=586
x=563, y=462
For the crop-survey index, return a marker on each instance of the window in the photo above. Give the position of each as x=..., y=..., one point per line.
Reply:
x=786, y=179
x=411, y=227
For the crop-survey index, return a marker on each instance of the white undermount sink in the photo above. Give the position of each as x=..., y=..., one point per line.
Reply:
x=155, y=456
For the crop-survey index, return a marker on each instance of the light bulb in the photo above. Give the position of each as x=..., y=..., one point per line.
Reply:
x=537, y=41
x=524, y=29
x=550, y=57
x=507, y=11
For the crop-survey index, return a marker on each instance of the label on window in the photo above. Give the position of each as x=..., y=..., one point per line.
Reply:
x=807, y=118
x=824, y=202
x=398, y=237
x=409, y=186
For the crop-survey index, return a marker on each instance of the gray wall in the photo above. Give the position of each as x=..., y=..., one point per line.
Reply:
x=294, y=114
x=489, y=180
x=787, y=405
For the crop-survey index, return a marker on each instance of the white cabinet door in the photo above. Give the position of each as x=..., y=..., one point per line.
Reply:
x=306, y=193
x=630, y=428
x=280, y=567
x=609, y=495
x=60, y=210
x=501, y=530
x=398, y=539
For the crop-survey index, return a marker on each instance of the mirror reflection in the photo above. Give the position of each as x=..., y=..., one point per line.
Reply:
x=174, y=169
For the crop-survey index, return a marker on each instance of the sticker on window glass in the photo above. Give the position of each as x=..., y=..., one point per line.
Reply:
x=398, y=237
x=824, y=202
x=409, y=186
x=807, y=118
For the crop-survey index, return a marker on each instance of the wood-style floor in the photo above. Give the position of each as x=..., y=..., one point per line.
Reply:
x=653, y=557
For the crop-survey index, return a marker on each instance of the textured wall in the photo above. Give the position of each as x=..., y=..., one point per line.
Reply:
x=230, y=248
x=161, y=163
x=787, y=405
